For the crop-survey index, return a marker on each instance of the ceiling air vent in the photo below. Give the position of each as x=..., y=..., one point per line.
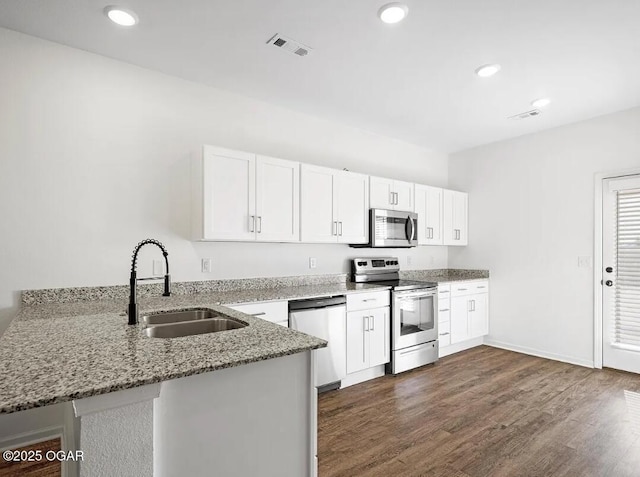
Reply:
x=529, y=114
x=289, y=45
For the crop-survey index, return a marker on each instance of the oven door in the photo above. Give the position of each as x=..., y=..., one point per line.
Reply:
x=414, y=317
x=391, y=228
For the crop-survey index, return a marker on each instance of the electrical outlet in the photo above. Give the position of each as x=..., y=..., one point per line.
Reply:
x=585, y=262
x=312, y=262
x=207, y=265
x=158, y=268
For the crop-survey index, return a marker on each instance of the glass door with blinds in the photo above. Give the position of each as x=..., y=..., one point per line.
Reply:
x=621, y=273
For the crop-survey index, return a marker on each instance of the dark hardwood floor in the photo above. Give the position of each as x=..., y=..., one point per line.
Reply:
x=36, y=467
x=482, y=412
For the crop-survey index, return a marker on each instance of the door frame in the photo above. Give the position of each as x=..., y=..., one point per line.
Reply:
x=597, y=262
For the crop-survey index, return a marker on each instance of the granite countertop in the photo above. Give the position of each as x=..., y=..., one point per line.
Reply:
x=56, y=352
x=444, y=275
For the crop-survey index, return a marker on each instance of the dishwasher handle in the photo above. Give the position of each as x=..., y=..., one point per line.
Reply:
x=316, y=303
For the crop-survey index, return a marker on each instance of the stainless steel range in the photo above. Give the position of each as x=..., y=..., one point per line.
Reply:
x=414, y=319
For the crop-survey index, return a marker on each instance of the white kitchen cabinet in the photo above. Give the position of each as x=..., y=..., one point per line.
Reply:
x=478, y=317
x=429, y=207
x=444, y=314
x=277, y=200
x=240, y=196
x=455, y=217
x=334, y=205
x=367, y=338
x=391, y=194
x=469, y=315
x=379, y=339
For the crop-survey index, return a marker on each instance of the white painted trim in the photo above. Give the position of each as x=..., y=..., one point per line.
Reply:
x=597, y=261
x=597, y=274
x=70, y=441
x=114, y=400
x=457, y=347
x=313, y=414
x=362, y=376
x=540, y=354
x=32, y=437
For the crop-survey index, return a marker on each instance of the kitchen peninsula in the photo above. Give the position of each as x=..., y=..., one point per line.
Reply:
x=150, y=406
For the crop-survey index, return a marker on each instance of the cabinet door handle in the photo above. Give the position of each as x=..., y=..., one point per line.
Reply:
x=443, y=291
x=391, y=198
x=259, y=224
x=334, y=229
x=262, y=313
x=445, y=334
x=481, y=286
x=370, y=299
x=252, y=223
x=474, y=305
x=372, y=325
x=444, y=309
x=365, y=323
x=470, y=305
x=397, y=198
x=340, y=228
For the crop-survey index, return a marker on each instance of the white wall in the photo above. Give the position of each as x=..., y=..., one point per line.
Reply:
x=531, y=217
x=94, y=156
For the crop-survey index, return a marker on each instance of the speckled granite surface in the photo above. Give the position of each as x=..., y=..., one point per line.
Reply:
x=69, y=295
x=444, y=275
x=60, y=352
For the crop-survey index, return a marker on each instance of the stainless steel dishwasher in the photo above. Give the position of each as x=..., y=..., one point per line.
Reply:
x=325, y=318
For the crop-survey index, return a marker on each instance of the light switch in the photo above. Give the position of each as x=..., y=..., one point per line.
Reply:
x=312, y=262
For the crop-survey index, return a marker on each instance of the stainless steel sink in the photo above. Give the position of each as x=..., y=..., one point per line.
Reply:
x=162, y=318
x=196, y=327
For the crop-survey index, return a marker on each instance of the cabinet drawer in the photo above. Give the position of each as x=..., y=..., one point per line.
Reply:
x=273, y=311
x=444, y=333
x=481, y=287
x=444, y=316
x=444, y=291
x=469, y=288
x=366, y=300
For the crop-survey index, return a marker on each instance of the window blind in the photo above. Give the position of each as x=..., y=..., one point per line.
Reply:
x=627, y=289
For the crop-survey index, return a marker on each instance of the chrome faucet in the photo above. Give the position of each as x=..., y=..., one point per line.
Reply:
x=133, y=280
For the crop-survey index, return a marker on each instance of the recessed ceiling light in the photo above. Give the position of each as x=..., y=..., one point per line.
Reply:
x=540, y=103
x=485, y=71
x=121, y=16
x=393, y=12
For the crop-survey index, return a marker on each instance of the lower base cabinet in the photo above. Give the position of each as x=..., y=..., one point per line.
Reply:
x=463, y=311
x=368, y=330
x=367, y=339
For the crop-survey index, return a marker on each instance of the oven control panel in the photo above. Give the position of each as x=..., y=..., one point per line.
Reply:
x=376, y=264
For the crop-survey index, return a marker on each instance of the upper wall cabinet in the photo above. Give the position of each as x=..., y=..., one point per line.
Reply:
x=242, y=196
x=455, y=217
x=429, y=209
x=390, y=194
x=334, y=205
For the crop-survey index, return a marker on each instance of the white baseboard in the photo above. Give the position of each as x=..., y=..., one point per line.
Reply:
x=362, y=376
x=457, y=347
x=540, y=354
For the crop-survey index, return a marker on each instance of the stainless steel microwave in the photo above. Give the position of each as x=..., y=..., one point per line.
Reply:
x=392, y=229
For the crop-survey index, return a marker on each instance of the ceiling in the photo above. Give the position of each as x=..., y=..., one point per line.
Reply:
x=413, y=81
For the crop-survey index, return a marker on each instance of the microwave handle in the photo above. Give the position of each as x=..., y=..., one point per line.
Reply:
x=409, y=224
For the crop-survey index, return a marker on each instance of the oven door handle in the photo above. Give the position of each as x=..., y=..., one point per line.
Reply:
x=419, y=294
